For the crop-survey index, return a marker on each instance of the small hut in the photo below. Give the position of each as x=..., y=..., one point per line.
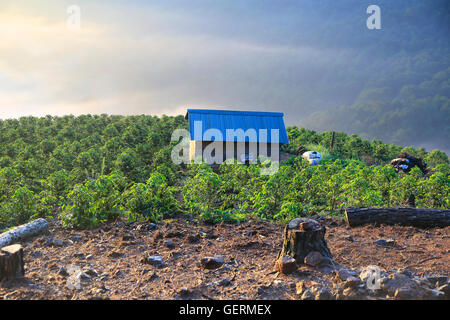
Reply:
x=220, y=135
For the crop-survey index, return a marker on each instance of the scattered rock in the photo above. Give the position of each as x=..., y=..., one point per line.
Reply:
x=380, y=242
x=212, y=262
x=437, y=280
x=323, y=294
x=156, y=261
x=76, y=238
x=262, y=289
x=352, y=293
x=396, y=281
x=58, y=243
x=407, y=287
x=72, y=269
x=307, y=295
x=385, y=243
x=437, y=294
x=304, y=285
x=446, y=290
x=169, y=244
x=391, y=242
x=352, y=282
x=100, y=290
x=184, y=291
x=344, y=274
x=63, y=272
x=407, y=273
x=326, y=269
x=313, y=259
x=406, y=294
x=286, y=265
x=76, y=277
x=146, y=227
x=224, y=282
x=418, y=293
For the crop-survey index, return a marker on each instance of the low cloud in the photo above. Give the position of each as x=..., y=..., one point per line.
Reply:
x=121, y=64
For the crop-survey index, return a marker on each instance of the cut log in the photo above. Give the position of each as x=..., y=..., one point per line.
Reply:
x=22, y=232
x=422, y=218
x=305, y=238
x=11, y=262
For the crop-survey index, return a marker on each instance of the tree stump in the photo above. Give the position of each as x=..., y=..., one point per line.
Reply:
x=11, y=262
x=304, y=240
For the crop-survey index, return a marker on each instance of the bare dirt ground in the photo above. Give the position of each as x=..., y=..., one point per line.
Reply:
x=114, y=258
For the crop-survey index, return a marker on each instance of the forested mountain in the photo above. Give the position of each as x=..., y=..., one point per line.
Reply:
x=417, y=115
x=397, y=87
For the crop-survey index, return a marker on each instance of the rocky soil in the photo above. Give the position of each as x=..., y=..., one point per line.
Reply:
x=179, y=259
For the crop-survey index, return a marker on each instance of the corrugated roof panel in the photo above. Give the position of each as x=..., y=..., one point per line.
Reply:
x=233, y=120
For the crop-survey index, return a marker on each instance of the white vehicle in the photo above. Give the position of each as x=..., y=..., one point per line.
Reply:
x=313, y=157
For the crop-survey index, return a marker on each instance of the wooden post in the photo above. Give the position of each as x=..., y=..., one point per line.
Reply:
x=332, y=141
x=11, y=262
x=304, y=239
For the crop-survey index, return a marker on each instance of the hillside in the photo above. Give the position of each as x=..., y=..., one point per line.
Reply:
x=89, y=169
x=396, y=88
x=125, y=222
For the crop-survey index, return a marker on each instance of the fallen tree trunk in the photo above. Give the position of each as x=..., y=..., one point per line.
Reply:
x=11, y=262
x=422, y=218
x=24, y=231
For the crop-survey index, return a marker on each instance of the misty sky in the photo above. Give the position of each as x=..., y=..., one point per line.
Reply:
x=155, y=57
x=159, y=57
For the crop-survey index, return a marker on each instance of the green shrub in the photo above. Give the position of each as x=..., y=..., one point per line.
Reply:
x=150, y=201
x=23, y=206
x=205, y=196
x=92, y=203
x=78, y=213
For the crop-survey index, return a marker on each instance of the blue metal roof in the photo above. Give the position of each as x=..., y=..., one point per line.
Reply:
x=222, y=120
